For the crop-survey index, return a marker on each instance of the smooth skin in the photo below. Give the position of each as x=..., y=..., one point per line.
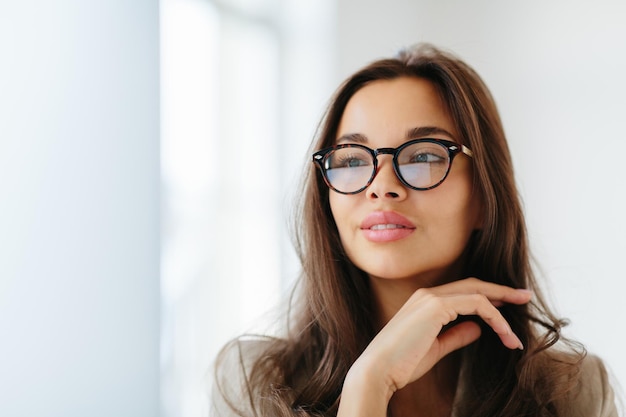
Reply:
x=416, y=280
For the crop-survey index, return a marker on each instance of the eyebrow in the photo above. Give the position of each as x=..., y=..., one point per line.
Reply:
x=420, y=132
x=414, y=133
x=352, y=137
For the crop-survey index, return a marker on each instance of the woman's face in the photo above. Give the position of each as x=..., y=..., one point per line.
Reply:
x=435, y=225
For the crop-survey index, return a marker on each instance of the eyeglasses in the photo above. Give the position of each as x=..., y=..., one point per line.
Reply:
x=420, y=164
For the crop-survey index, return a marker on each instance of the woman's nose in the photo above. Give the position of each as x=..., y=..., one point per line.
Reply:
x=386, y=183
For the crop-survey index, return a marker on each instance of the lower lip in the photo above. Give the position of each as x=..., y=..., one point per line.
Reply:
x=386, y=235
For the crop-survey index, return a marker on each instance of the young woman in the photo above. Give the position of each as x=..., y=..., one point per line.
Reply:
x=417, y=296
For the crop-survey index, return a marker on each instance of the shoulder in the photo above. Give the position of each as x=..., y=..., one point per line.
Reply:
x=231, y=394
x=592, y=395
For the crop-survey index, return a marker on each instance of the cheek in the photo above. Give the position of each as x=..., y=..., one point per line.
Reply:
x=337, y=208
x=458, y=211
x=343, y=208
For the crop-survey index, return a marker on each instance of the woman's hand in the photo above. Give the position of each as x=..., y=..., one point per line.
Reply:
x=410, y=344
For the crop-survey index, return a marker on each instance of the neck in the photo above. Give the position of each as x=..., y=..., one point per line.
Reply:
x=389, y=295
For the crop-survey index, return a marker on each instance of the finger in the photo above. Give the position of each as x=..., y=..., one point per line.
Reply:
x=457, y=337
x=494, y=292
x=479, y=305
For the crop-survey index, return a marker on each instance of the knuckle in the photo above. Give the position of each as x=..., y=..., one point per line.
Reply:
x=475, y=284
x=451, y=315
x=479, y=298
x=424, y=291
x=473, y=280
x=422, y=294
x=491, y=314
x=439, y=306
x=428, y=298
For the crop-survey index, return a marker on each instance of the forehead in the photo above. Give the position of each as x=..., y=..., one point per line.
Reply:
x=385, y=110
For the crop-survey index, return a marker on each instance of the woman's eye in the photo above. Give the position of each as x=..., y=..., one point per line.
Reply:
x=350, y=162
x=426, y=157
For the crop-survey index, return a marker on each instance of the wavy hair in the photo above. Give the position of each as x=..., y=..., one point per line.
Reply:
x=331, y=316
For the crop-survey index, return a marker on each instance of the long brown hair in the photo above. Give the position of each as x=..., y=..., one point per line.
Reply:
x=332, y=318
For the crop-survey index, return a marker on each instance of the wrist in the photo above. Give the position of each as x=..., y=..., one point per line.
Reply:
x=365, y=392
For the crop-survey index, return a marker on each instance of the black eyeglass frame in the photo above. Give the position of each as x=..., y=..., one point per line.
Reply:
x=453, y=149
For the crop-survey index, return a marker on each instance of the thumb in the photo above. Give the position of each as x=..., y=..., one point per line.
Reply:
x=457, y=337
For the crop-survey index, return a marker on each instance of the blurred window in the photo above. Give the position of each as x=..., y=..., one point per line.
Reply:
x=241, y=89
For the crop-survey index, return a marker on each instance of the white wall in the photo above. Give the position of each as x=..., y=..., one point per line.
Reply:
x=79, y=216
x=557, y=71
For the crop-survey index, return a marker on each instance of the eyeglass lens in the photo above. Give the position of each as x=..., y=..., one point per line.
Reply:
x=421, y=165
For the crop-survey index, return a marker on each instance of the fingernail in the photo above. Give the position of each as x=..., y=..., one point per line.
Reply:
x=524, y=291
x=521, y=345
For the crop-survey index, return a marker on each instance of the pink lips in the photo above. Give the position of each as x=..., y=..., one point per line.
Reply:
x=386, y=226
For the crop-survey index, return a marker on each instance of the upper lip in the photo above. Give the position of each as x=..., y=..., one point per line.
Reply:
x=385, y=217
